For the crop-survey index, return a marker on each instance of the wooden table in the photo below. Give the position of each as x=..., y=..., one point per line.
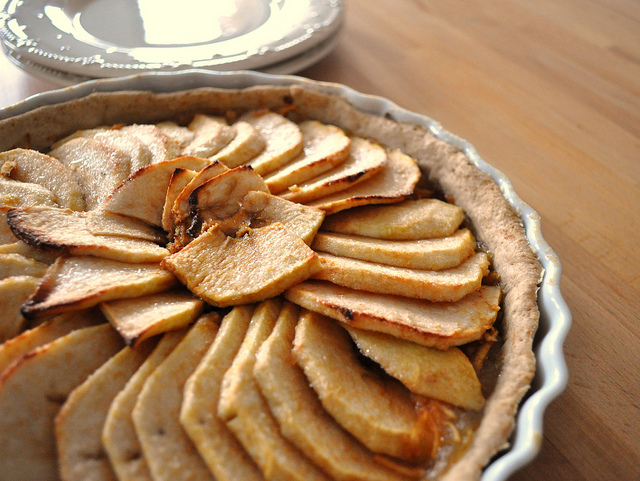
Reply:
x=549, y=93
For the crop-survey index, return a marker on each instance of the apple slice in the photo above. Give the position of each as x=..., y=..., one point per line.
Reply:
x=247, y=144
x=283, y=140
x=394, y=182
x=365, y=160
x=211, y=135
x=142, y=317
x=432, y=324
x=223, y=453
x=408, y=220
x=103, y=223
x=79, y=423
x=324, y=147
x=142, y=194
x=444, y=375
x=6, y=236
x=118, y=435
x=35, y=167
x=377, y=410
x=300, y=415
x=226, y=271
x=28, y=251
x=161, y=147
x=169, y=452
x=247, y=414
x=66, y=232
x=427, y=254
x=179, y=180
x=28, y=443
x=14, y=291
x=182, y=136
x=98, y=169
x=14, y=193
x=73, y=283
x=264, y=209
x=18, y=265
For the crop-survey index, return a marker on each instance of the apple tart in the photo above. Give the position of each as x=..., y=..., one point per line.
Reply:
x=253, y=284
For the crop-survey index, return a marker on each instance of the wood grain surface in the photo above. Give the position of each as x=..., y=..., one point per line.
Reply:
x=548, y=91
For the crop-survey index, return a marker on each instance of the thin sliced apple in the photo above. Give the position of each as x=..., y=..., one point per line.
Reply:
x=177, y=133
x=300, y=415
x=14, y=193
x=408, y=220
x=28, y=443
x=224, y=455
x=142, y=317
x=376, y=409
x=211, y=135
x=119, y=437
x=66, y=232
x=14, y=291
x=74, y=283
x=103, y=223
x=247, y=144
x=247, y=414
x=394, y=182
x=19, y=265
x=142, y=194
x=263, y=209
x=126, y=143
x=449, y=285
x=98, y=169
x=161, y=146
x=324, y=147
x=169, y=452
x=432, y=324
x=28, y=251
x=79, y=423
x=6, y=236
x=365, y=160
x=179, y=180
x=283, y=140
x=427, y=254
x=35, y=167
x=226, y=271
x=444, y=375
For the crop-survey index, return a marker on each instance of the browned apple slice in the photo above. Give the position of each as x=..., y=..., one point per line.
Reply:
x=66, y=232
x=14, y=291
x=79, y=423
x=283, y=140
x=19, y=265
x=16, y=347
x=432, y=324
x=394, y=182
x=246, y=145
x=301, y=416
x=263, y=209
x=161, y=146
x=408, y=220
x=247, y=414
x=73, y=283
x=100, y=222
x=142, y=317
x=219, y=448
x=211, y=135
x=98, y=169
x=365, y=160
x=260, y=264
x=444, y=375
x=28, y=443
x=179, y=180
x=377, y=410
x=427, y=254
x=35, y=167
x=324, y=147
x=14, y=193
x=169, y=452
x=28, y=251
x=143, y=193
x=119, y=437
x=6, y=236
x=449, y=285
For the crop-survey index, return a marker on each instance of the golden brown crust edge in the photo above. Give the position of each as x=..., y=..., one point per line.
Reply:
x=495, y=222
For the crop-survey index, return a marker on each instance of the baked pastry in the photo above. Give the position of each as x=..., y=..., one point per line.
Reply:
x=241, y=182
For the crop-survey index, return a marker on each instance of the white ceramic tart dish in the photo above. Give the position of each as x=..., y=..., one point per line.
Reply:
x=533, y=319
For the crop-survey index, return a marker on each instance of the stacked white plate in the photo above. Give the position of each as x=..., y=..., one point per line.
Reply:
x=76, y=40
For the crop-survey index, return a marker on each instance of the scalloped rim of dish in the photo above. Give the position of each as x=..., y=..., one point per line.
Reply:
x=555, y=318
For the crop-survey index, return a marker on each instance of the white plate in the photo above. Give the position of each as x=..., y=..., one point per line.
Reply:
x=110, y=38
x=555, y=317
